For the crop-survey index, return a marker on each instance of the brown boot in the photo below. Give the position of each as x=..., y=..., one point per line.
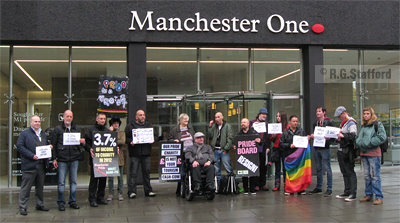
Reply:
x=378, y=201
x=365, y=199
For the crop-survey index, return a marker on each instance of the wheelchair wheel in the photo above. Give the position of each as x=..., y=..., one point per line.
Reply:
x=183, y=189
x=189, y=196
x=210, y=196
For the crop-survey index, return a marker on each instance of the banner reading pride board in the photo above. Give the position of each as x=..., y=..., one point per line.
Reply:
x=247, y=156
x=105, y=160
x=170, y=162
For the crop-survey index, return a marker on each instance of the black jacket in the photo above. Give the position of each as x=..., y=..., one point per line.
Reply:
x=287, y=139
x=327, y=122
x=89, y=136
x=138, y=149
x=64, y=153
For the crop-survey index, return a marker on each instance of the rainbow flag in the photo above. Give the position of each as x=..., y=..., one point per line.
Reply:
x=298, y=170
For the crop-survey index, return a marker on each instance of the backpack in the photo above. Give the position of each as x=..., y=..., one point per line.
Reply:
x=228, y=185
x=385, y=145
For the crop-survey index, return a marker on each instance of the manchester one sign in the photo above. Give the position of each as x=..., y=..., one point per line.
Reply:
x=200, y=24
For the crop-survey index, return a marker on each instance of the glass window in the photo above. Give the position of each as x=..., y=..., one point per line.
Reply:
x=224, y=69
x=171, y=71
x=336, y=92
x=40, y=75
x=88, y=64
x=4, y=89
x=275, y=68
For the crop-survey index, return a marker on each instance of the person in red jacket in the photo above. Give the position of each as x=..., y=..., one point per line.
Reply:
x=277, y=156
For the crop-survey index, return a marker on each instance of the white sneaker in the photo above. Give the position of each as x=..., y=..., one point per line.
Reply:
x=253, y=193
x=287, y=194
x=350, y=198
x=120, y=197
x=132, y=195
x=151, y=194
x=342, y=196
x=110, y=197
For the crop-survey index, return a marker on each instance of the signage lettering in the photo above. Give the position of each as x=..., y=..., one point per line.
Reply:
x=201, y=24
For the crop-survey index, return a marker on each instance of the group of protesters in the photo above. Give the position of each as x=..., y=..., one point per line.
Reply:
x=290, y=162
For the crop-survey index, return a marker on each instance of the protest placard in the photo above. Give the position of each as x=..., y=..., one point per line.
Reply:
x=105, y=160
x=259, y=127
x=142, y=135
x=300, y=141
x=170, y=162
x=247, y=156
x=43, y=152
x=71, y=138
x=274, y=128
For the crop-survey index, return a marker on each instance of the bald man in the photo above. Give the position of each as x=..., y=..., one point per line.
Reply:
x=139, y=154
x=66, y=159
x=221, y=138
x=33, y=168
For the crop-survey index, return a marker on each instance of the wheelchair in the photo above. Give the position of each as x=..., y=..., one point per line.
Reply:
x=188, y=186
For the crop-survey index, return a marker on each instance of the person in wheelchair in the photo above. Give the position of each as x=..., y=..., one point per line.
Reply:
x=200, y=157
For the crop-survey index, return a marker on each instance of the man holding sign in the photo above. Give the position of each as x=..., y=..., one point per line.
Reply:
x=290, y=146
x=31, y=142
x=263, y=148
x=97, y=186
x=243, y=148
x=66, y=140
x=322, y=154
x=139, y=154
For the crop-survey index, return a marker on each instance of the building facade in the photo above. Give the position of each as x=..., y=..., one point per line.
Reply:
x=197, y=57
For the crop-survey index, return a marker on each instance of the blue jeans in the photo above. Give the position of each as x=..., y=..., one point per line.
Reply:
x=323, y=163
x=120, y=182
x=63, y=168
x=372, y=176
x=226, y=160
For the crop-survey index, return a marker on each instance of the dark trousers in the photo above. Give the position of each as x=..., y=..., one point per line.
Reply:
x=262, y=179
x=97, y=186
x=346, y=164
x=253, y=182
x=30, y=178
x=208, y=170
x=144, y=162
x=278, y=165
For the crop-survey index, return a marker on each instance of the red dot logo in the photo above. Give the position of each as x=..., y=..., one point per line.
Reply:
x=318, y=28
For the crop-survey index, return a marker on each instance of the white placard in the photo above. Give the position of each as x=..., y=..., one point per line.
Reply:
x=259, y=127
x=71, y=138
x=43, y=152
x=319, y=141
x=331, y=132
x=274, y=128
x=142, y=136
x=300, y=141
x=320, y=131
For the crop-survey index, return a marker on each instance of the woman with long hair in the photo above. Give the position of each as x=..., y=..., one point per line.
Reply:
x=372, y=135
x=277, y=156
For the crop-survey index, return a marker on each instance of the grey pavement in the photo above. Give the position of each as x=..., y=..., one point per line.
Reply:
x=264, y=207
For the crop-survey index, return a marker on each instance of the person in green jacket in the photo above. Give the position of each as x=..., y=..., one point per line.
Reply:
x=221, y=138
x=368, y=141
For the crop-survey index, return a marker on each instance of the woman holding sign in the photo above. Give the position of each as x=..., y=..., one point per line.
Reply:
x=182, y=133
x=277, y=156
